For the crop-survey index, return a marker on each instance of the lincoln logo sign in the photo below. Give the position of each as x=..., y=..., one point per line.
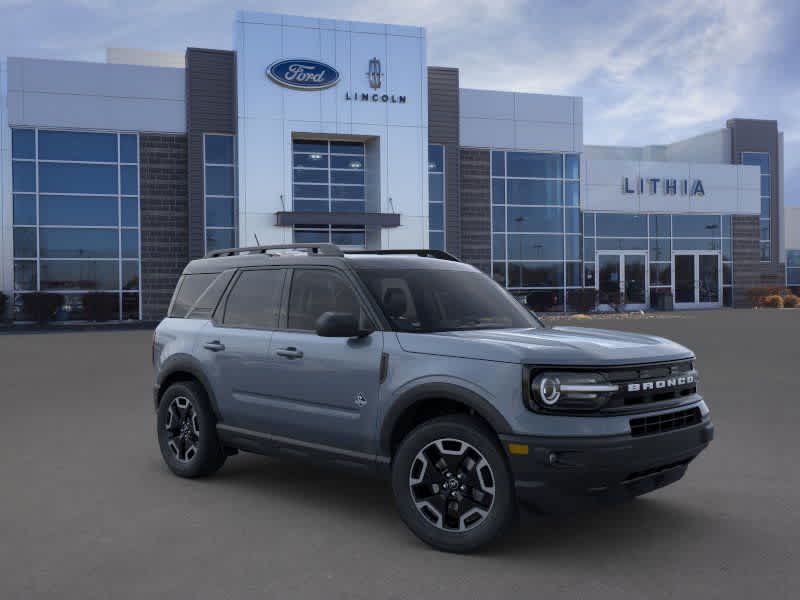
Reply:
x=302, y=74
x=667, y=186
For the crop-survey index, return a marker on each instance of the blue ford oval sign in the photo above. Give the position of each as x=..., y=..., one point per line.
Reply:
x=303, y=74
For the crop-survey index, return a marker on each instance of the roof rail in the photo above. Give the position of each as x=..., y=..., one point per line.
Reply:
x=423, y=252
x=312, y=249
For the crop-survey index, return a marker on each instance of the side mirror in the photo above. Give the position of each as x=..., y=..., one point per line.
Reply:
x=336, y=324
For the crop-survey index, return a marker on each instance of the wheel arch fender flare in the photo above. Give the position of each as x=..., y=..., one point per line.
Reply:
x=442, y=391
x=184, y=363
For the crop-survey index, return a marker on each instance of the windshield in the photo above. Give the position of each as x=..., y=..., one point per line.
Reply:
x=430, y=300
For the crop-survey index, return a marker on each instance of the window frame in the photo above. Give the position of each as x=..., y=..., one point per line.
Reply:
x=218, y=316
x=234, y=197
x=375, y=319
x=118, y=197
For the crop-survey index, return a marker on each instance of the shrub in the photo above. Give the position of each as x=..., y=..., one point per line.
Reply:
x=773, y=301
x=41, y=306
x=758, y=295
x=790, y=301
x=98, y=306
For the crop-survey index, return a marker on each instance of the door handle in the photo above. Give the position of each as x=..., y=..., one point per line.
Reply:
x=215, y=346
x=290, y=352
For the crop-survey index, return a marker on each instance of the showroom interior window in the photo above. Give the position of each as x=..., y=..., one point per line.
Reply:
x=76, y=220
x=761, y=160
x=658, y=236
x=793, y=269
x=436, y=196
x=328, y=176
x=536, y=242
x=219, y=158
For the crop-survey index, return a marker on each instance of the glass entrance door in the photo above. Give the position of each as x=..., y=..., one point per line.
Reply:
x=697, y=279
x=622, y=279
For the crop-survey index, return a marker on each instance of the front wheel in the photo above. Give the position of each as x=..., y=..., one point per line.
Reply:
x=187, y=433
x=452, y=484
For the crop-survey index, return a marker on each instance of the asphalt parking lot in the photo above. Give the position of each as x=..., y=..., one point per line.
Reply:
x=88, y=510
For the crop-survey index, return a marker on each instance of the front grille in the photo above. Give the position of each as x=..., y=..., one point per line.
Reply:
x=644, y=374
x=665, y=422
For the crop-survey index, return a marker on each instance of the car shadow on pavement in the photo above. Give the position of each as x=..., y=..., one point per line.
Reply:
x=653, y=519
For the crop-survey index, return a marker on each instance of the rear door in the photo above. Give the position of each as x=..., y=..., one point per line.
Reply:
x=235, y=345
x=324, y=390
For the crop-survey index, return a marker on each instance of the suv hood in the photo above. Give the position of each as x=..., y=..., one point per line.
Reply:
x=547, y=346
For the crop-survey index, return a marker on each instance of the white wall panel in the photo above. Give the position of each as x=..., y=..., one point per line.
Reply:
x=541, y=107
x=536, y=121
x=486, y=133
x=486, y=104
x=270, y=115
x=540, y=135
x=363, y=47
x=725, y=193
x=53, y=93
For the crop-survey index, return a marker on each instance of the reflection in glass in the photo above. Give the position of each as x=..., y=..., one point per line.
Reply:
x=79, y=275
x=78, y=243
x=77, y=146
x=66, y=178
x=77, y=210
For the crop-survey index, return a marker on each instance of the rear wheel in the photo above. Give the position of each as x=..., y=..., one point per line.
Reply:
x=187, y=434
x=452, y=484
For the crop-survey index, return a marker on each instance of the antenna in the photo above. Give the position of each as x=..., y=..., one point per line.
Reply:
x=255, y=235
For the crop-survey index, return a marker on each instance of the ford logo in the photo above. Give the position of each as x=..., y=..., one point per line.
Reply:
x=303, y=74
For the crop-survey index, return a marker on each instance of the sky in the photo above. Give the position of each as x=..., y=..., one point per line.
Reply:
x=649, y=72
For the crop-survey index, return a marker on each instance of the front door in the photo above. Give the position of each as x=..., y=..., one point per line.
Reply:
x=697, y=279
x=622, y=279
x=323, y=389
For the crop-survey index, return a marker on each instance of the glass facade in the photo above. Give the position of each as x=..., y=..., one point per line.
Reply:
x=793, y=268
x=536, y=235
x=436, y=196
x=219, y=167
x=659, y=235
x=76, y=219
x=328, y=176
x=761, y=160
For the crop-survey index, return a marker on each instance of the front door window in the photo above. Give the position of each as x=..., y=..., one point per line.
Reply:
x=697, y=279
x=684, y=278
x=708, y=275
x=622, y=279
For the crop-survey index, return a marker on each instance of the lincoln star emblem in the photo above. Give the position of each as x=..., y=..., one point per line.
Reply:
x=374, y=74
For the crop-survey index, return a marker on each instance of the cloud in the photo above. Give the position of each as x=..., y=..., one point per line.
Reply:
x=649, y=72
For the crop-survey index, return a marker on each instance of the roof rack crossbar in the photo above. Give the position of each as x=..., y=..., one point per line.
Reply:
x=312, y=249
x=423, y=252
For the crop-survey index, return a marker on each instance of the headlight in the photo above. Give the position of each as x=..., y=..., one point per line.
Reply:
x=562, y=390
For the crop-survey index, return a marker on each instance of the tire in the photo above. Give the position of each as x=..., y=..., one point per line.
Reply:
x=187, y=432
x=466, y=510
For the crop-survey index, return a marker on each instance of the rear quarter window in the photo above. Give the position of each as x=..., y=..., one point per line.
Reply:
x=187, y=292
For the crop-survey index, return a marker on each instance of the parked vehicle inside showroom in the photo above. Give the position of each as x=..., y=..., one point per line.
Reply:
x=414, y=366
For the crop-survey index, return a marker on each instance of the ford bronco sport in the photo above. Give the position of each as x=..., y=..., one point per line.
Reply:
x=416, y=366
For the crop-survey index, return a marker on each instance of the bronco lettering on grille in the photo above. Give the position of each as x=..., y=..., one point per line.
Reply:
x=660, y=384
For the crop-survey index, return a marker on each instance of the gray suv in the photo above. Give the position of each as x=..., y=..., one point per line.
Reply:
x=419, y=368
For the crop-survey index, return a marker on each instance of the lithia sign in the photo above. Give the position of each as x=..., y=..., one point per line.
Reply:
x=667, y=186
x=306, y=74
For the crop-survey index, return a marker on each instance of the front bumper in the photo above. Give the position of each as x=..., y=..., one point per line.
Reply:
x=564, y=473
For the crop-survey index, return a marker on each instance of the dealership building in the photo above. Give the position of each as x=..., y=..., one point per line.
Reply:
x=113, y=175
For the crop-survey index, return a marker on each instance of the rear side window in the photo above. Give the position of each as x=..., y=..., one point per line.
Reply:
x=189, y=290
x=254, y=301
x=207, y=302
